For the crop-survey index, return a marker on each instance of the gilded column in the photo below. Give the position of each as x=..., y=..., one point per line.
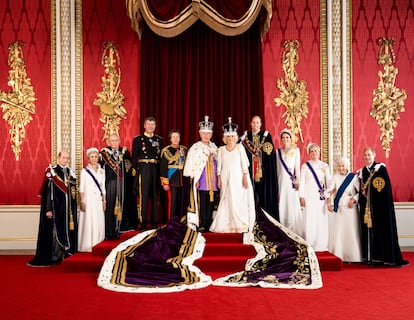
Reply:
x=66, y=38
x=337, y=136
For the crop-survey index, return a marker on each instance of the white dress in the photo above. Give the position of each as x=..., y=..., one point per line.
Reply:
x=236, y=210
x=345, y=238
x=91, y=229
x=315, y=212
x=290, y=214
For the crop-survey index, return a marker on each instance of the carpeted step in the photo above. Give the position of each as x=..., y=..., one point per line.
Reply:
x=328, y=261
x=104, y=248
x=126, y=235
x=83, y=262
x=229, y=249
x=212, y=237
x=227, y=264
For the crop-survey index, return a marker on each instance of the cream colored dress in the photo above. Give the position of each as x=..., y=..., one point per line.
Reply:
x=345, y=237
x=290, y=214
x=91, y=229
x=236, y=211
x=315, y=212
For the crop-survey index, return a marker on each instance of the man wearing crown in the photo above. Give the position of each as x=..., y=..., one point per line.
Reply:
x=201, y=168
x=262, y=157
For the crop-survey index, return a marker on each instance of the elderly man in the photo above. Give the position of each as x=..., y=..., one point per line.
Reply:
x=201, y=168
x=57, y=237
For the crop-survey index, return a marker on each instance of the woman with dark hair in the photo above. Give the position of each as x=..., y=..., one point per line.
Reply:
x=288, y=168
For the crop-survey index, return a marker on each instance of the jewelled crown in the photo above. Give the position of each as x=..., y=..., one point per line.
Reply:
x=230, y=128
x=206, y=126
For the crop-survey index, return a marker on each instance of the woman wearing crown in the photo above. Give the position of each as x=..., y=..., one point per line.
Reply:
x=236, y=210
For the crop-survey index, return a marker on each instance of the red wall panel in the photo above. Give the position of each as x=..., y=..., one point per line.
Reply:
x=28, y=21
x=372, y=20
x=105, y=20
x=294, y=19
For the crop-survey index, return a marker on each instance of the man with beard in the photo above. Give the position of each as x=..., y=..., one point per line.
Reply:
x=261, y=153
x=113, y=163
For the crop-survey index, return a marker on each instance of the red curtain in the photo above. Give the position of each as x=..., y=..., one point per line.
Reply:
x=201, y=72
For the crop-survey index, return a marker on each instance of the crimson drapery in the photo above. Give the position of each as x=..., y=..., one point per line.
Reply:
x=201, y=72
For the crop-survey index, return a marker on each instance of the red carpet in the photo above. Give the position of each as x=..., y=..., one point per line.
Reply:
x=357, y=292
x=224, y=253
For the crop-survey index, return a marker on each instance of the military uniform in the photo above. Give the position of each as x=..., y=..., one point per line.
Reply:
x=146, y=153
x=171, y=172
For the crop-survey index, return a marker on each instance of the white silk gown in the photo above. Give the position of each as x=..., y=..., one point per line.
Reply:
x=236, y=210
x=315, y=212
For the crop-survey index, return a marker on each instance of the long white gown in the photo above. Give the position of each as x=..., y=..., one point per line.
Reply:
x=290, y=214
x=236, y=210
x=315, y=212
x=91, y=229
x=345, y=238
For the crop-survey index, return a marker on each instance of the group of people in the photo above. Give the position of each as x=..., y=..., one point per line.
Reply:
x=218, y=189
x=350, y=215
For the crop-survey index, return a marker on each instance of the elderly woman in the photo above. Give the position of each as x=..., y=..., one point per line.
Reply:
x=236, y=209
x=288, y=169
x=315, y=178
x=92, y=203
x=345, y=238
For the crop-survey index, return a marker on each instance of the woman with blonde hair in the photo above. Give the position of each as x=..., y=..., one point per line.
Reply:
x=236, y=209
x=315, y=179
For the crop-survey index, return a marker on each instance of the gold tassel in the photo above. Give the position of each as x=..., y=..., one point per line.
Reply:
x=118, y=211
x=259, y=173
x=367, y=217
x=71, y=223
x=209, y=177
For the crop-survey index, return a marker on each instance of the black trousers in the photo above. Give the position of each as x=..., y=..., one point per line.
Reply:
x=149, y=186
x=206, y=208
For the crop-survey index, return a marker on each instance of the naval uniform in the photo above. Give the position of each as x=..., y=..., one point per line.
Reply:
x=146, y=152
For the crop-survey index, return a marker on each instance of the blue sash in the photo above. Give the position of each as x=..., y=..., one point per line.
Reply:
x=341, y=190
x=94, y=179
x=291, y=175
x=321, y=188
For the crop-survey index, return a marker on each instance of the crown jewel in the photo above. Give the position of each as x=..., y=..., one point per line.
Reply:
x=230, y=128
x=206, y=126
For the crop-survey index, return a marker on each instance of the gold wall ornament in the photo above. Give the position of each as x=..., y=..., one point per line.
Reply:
x=110, y=100
x=293, y=94
x=387, y=99
x=17, y=104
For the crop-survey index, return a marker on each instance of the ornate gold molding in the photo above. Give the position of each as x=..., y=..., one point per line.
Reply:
x=293, y=94
x=387, y=99
x=110, y=100
x=18, y=104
